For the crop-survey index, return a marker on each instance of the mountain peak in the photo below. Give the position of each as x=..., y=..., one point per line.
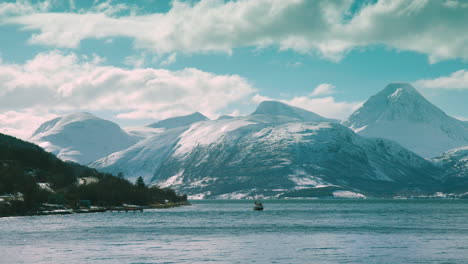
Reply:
x=276, y=108
x=80, y=116
x=81, y=137
x=398, y=101
x=400, y=85
x=179, y=121
x=399, y=112
x=73, y=117
x=394, y=91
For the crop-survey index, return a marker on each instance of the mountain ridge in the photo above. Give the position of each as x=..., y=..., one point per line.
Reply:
x=81, y=137
x=276, y=108
x=401, y=113
x=280, y=149
x=179, y=121
x=243, y=157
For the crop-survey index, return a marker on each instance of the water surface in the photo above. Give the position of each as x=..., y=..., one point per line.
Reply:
x=288, y=231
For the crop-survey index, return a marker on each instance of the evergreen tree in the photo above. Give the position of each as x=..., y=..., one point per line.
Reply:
x=140, y=183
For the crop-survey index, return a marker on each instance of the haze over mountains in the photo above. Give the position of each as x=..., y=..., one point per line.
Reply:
x=279, y=149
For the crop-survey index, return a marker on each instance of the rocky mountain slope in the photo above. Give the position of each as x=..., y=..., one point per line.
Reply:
x=401, y=114
x=454, y=164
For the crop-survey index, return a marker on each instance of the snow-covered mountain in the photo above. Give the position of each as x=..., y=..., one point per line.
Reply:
x=275, y=108
x=143, y=158
x=81, y=137
x=225, y=117
x=140, y=133
x=269, y=153
x=454, y=164
x=400, y=113
x=179, y=121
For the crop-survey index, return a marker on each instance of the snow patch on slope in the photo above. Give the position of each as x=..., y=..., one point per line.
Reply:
x=303, y=180
x=297, y=132
x=173, y=180
x=143, y=158
x=206, y=133
x=140, y=133
x=348, y=194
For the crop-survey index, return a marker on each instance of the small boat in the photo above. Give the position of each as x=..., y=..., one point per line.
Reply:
x=258, y=206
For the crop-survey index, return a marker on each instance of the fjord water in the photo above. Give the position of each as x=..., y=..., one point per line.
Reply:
x=288, y=231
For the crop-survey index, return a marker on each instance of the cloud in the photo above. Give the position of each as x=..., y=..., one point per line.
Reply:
x=323, y=89
x=329, y=29
x=324, y=106
x=257, y=98
x=455, y=81
x=55, y=82
x=169, y=60
x=22, y=123
x=20, y=7
x=455, y=4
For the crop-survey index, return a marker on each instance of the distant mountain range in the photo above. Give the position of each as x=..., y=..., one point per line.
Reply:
x=281, y=150
x=250, y=156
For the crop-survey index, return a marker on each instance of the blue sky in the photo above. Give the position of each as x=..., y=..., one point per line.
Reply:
x=138, y=61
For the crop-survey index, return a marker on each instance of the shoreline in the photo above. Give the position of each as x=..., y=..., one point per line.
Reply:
x=67, y=211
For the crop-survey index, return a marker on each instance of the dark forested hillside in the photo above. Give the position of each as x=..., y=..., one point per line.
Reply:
x=23, y=165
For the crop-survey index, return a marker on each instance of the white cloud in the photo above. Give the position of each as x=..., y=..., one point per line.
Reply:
x=136, y=61
x=22, y=123
x=326, y=28
x=257, y=98
x=60, y=83
x=455, y=4
x=455, y=81
x=324, y=106
x=22, y=7
x=235, y=113
x=169, y=60
x=57, y=83
x=323, y=89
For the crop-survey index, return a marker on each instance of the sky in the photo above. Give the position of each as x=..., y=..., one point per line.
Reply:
x=135, y=62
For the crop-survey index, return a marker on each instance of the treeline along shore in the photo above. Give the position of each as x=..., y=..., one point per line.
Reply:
x=33, y=181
